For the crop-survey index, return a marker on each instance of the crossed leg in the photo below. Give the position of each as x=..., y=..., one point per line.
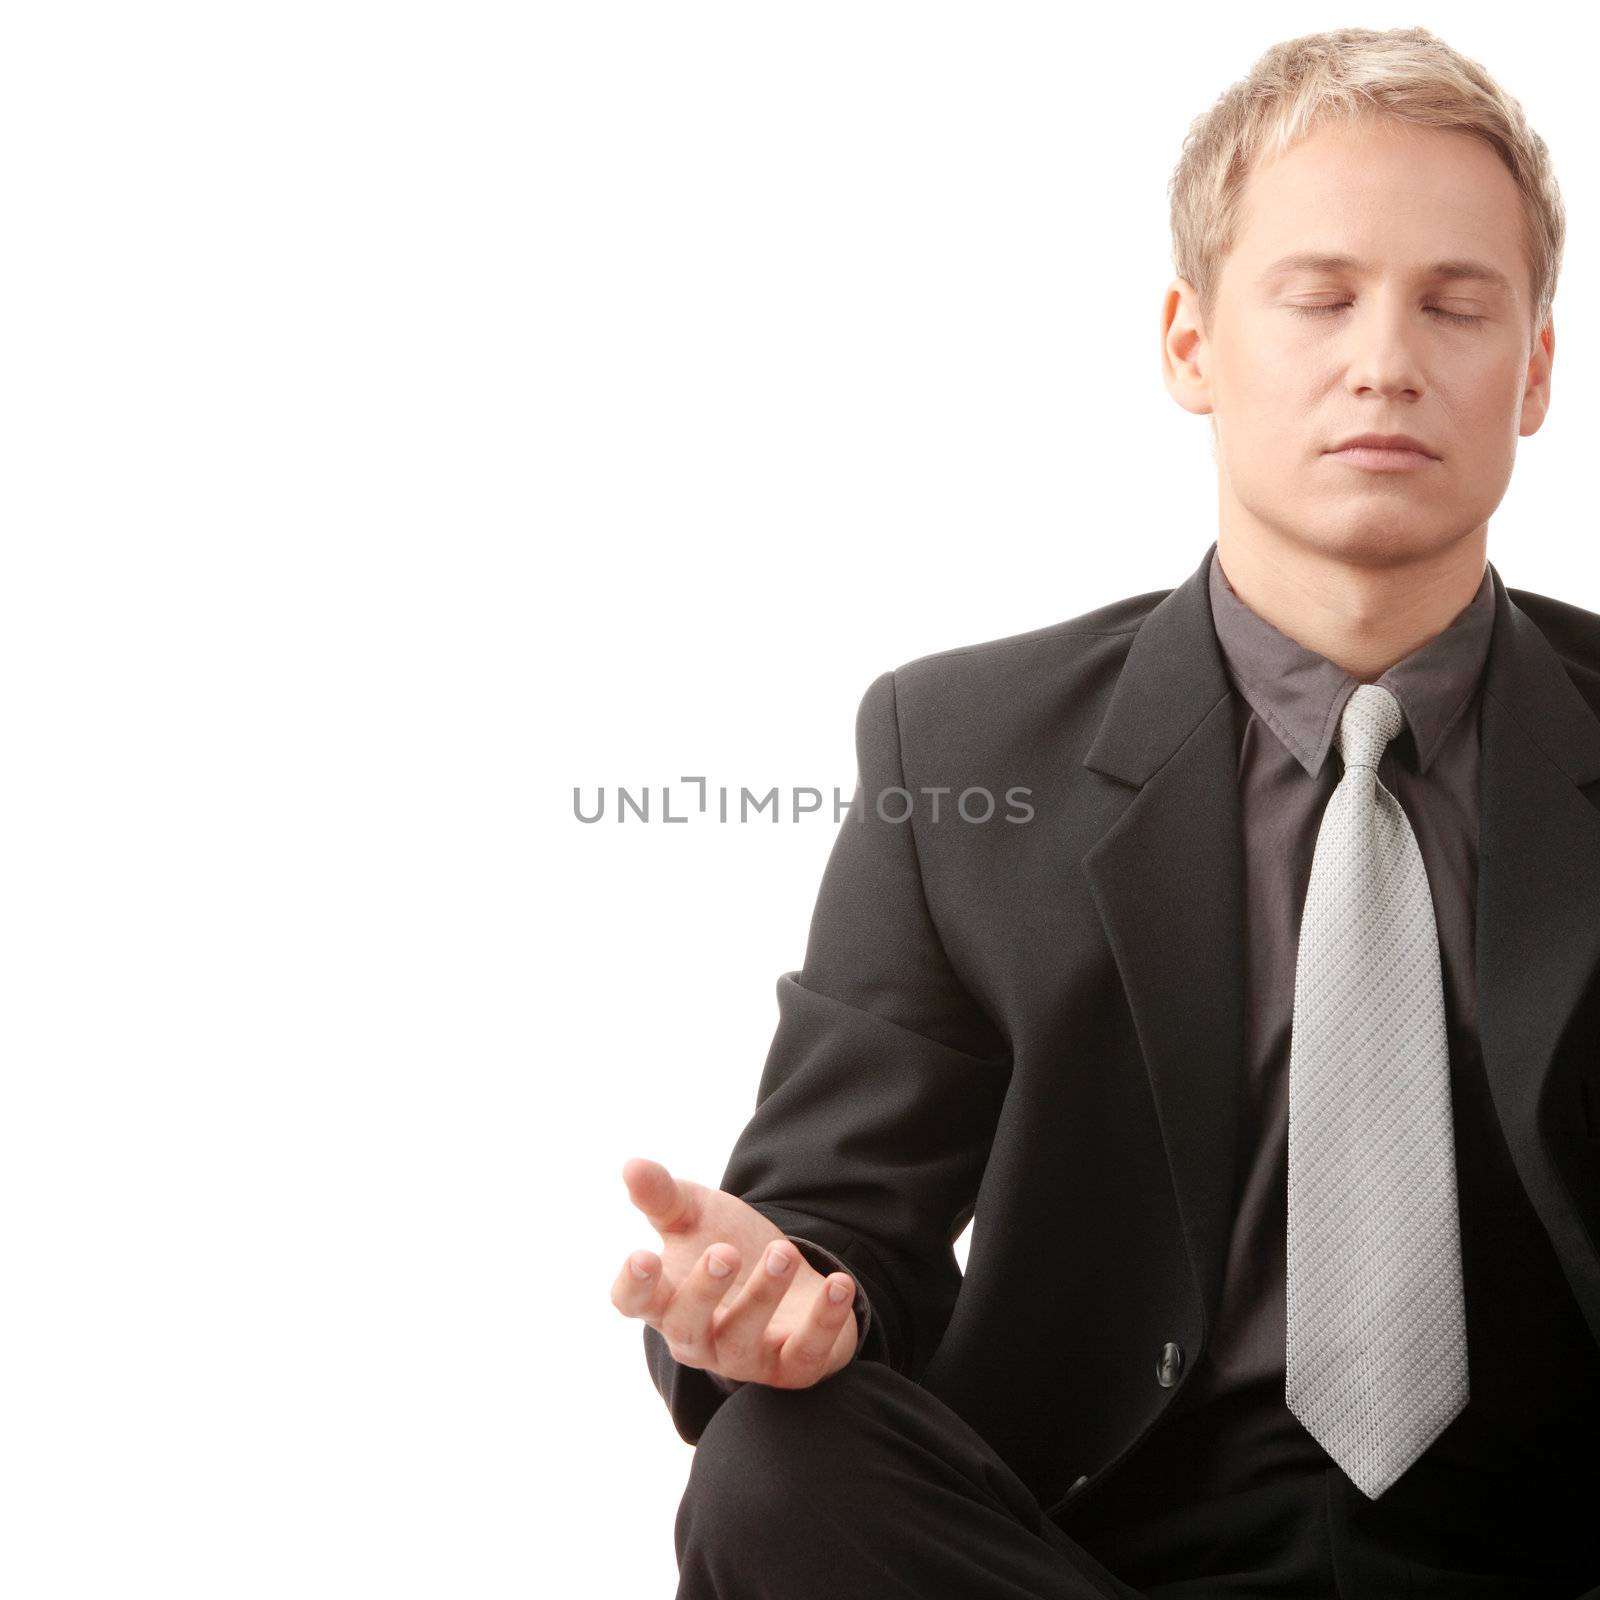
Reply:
x=866, y=1487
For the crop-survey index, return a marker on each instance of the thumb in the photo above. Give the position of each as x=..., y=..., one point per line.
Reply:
x=662, y=1198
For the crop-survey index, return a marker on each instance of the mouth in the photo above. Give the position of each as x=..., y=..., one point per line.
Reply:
x=1382, y=458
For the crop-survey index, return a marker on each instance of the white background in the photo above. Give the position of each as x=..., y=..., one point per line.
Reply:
x=413, y=412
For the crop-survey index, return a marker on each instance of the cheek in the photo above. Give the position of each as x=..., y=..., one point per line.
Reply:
x=1489, y=385
x=1486, y=408
x=1281, y=385
x=1272, y=396
x=1272, y=362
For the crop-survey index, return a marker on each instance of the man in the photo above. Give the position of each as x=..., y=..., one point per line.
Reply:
x=1264, y=1056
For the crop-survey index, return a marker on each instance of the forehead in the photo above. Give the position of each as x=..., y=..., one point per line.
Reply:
x=1381, y=197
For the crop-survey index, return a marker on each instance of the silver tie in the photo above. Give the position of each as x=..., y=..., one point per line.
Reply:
x=1376, y=1362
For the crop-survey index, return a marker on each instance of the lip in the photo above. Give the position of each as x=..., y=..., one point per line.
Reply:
x=1382, y=458
x=1384, y=452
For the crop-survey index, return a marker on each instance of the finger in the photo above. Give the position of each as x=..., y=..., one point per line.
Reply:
x=637, y=1285
x=805, y=1352
x=663, y=1199
x=740, y=1327
x=686, y=1321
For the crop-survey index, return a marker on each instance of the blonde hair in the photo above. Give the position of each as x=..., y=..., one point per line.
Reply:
x=1405, y=74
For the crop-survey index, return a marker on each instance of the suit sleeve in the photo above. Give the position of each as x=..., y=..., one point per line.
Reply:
x=882, y=1087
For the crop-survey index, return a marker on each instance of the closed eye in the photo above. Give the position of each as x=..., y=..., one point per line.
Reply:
x=1341, y=305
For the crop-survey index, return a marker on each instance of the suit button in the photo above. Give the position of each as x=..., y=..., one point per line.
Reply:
x=1170, y=1364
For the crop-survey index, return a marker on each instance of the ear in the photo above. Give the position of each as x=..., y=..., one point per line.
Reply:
x=1185, y=354
x=1536, y=388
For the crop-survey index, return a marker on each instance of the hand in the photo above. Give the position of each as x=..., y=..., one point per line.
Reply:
x=753, y=1324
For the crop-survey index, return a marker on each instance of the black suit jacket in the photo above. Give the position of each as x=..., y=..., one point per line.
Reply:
x=1038, y=1026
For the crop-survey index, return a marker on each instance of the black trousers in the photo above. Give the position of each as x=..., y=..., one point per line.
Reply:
x=866, y=1487
x=869, y=1487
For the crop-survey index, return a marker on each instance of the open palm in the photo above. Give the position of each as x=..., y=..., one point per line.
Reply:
x=749, y=1324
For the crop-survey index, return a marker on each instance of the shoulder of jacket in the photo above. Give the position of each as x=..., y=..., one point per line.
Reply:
x=1059, y=642
x=1572, y=631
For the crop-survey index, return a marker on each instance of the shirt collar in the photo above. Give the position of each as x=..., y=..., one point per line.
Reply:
x=1301, y=695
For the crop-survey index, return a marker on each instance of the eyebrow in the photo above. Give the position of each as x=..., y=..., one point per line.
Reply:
x=1459, y=269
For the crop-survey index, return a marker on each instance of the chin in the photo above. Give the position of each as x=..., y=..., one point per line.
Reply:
x=1363, y=535
x=1378, y=540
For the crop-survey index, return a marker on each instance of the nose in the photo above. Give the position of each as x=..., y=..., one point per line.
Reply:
x=1382, y=351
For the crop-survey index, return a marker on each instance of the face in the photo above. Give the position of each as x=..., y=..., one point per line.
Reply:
x=1300, y=358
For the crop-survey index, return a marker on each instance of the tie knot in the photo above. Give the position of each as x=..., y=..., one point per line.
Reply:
x=1371, y=718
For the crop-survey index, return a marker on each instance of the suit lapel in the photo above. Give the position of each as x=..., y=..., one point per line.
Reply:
x=1167, y=878
x=1538, y=919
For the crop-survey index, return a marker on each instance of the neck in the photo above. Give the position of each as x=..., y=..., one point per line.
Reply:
x=1364, y=612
